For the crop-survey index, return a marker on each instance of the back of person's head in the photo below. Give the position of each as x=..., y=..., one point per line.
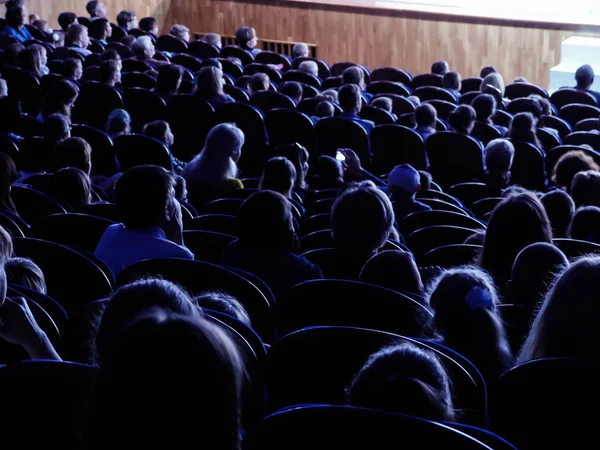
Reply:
x=279, y=175
x=8, y=175
x=6, y=246
x=209, y=83
x=495, y=80
x=349, y=98
x=24, y=272
x=200, y=367
x=395, y=270
x=298, y=155
x=100, y=29
x=57, y=127
x=143, y=47
x=516, y=222
x=258, y=82
x=362, y=219
x=487, y=70
x=60, y=99
x=384, y=103
x=109, y=72
x=159, y=130
x=169, y=78
x=148, y=24
x=265, y=222
x=451, y=80
x=585, y=225
x=354, y=75
x=130, y=39
x=565, y=327
x=145, y=197
x=110, y=54
x=96, y=8
x=245, y=37
x=533, y=272
x=499, y=155
x=126, y=19
x=440, y=68
x=66, y=19
x=425, y=115
x=326, y=173
x=462, y=119
x=223, y=303
x=406, y=379
x=29, y=59
x=300, y=50
x=324, y=109
x=544, y=103
x=523, y=128
x=72, y=187
x=181, y=31
x=560, y=209
x=331, y=95
x=72, y=69
x=118, y=122
x=584, y=76
x=485, y=107
x=404, y=181
x=531, y=105
x=73, y=152
x=585, y=188
x=292, y=89
x=569, y=165
x=213, y=39
x=309, y=67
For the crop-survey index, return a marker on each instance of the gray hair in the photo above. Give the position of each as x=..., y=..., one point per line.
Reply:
x=499, y=155
x=309, y=67
x=300, y=49
x=141, y=44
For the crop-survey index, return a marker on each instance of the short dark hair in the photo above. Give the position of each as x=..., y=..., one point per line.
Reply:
x=108, y=69
x=69, y=66
x=92, y=7
x=484, y=106
x=353, y=75
x=585, y=188
x=584, y=76
x=451, y=80
x=487, y=70
x=56, y=126
x=560, y=209
x=440, y=68
x=109, y=54
x=169, y=77
x=349, y=97
x=243, y=35
x=425, y=115
x=71, y=186
x=292, y=89
x=259, y=82
x=73, y=152
x=98, y=28
x=143, y=195
x=147, y=24
x=212, y=62
x=384, y=103
x=14, y=15
x=530, y=105
x=125, y=17
x=75, y=31
x=65, y=19
x=462, y=118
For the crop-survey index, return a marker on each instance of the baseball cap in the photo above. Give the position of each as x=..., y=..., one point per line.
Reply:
x=405, y=177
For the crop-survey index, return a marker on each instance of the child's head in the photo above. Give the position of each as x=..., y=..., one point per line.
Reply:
x=324, y=109
x=25, y=272
x=425, y=115
x=72, y=69
x=484, y=106
x=279, y=175
x=160, y=131
x=440, y=68
x=72, y=187
x=258, y=82
x=57, y=127
x=404, y=182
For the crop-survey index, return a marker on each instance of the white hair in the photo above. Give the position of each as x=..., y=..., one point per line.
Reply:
x=299, y=50
x=309, y=67
x=499, y=155
x=141, y=45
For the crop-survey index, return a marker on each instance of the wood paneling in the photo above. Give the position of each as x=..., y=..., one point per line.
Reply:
x=408, y=40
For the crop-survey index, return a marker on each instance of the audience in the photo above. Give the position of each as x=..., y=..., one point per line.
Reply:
x=425, y=119
x=109, y=73
x=403, y=184
x=356, y=75
x=209, y=86
x=57, y=127
x=323, y=110
x=452, y=83
x=24, y=272
x=118, y=123
x=66, y=19
x=245, y=37
x=351, y=103
x=127, y=20
x=180, y=31
x=279, y=175
x=16, y=18
x=309, y=67
x=395, y=270
x=79, y=39
x=298, y=155
x=440, y=68
x=462, y=119
x=59, y=100
x=585, y=188
x=560, y=209
x=300, y=50
x=498, y=155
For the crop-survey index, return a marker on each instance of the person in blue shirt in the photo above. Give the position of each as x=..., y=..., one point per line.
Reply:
x=101, y=30
x=351, y=103
x=152, y=225
x=452, y=83
x=16, y=18
x=79, y=38
x=356, y=75
x=245, y=37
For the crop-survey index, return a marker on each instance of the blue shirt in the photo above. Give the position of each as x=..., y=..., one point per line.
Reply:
x=121, y=247
x=81, y=51
x=367, y=124
x=23, y=35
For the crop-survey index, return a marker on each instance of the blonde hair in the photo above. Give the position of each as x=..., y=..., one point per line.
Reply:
x=493, y=79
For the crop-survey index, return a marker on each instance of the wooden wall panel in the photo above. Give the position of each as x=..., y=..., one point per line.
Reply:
x=372, y=37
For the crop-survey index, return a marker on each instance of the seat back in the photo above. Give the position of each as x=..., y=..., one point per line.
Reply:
x=485, y=132
x=570, y=96
x=137, y=80
x=32, y=205
x=427, y=79
x=425, y=239
x=582, y=138
x=392, y=145
x=448, y=256
x=391, y=74
x=518, y=90
x=188, y=61
x=336, y=132
x=144, y=106
x=376, y=115
x=574, y=113
x=219, y=223
x=207, y=246
x=171, y=44
x=268, y=100
x=190, y=119
x=233, y=51
x=287, y=126
x=548, y=139
x=434, y=93
x=529, y=167
x=454, y=158
x=94, y=103
x=302, y=77
x=471, y=85
x=24, y=87
x=324, y=70
x=36, y=155
x=388, y=87
x=136, y=149
x=573, y=248
x=201, y=49
x=104, y=161
x=469, y=193
x=422, y=219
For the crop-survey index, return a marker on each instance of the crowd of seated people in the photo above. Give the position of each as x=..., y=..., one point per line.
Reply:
x=223, y=222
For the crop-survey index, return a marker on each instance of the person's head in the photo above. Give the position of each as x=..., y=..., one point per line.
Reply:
x=118, y=123
x=585, y=225
x=100, y=29
x=33, y=18
x=258, y=82
x=565, y=326
x=143, y=48
x=532, y=106
x=406, y=379
x=544, y=103
x=43, y=53
x=66, y=19
x=330, y=94
x=128, y=40
x=159, y=130
x=41, y=24
x=362, y=219
x=223, y=303
x=395, y=270
x=309, y=67
x=324, y=109
x=384, y=103
x=265, y=222
x=584, y=76
x=16, y=16
x=213, y=39
x=72, y=187
x=197, y=358
x=569, y=165
x=24, y=272
x=29, y=59
x=440, y=68
x=57, y=127
x=72, y=69
x=404, y=182
x=6, y=252
x=181, y=31
x=350, y=99
x=354, y=75
x=11, y=53
x=8, y=175
x=560, y=209
x=499, y=155
x=487, y=70
x=327, y=173
x=425, y=115
x=73, y=152
x=109, y=73
x=60, y=99
x=279, y=175
x=516, y=222
x=494, y=80
x=111, y=55
x=452, y=81
x=149, y=25
x=585, y=188
x=209, y=83
x=245, y=37
x=485, y=107
x=97, y=9
x=523, y=128
x=462, y=119
x=300, y=50
x=145, y=197
x=292, y=89
x=127, y=19
x=464, y=301
x=298, y=155
x=78, y=35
